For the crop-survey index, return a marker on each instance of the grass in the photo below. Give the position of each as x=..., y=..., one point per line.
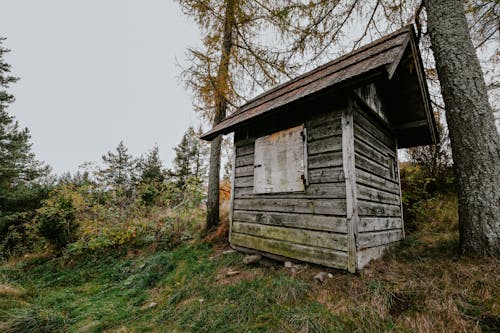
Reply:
x=421, y=287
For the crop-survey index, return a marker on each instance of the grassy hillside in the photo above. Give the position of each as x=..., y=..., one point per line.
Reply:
x=420, y=287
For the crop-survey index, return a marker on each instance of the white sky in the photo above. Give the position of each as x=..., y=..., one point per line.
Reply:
x=97, y=72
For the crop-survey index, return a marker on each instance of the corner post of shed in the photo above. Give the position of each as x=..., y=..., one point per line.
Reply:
x=231, y=200
x=348, y=161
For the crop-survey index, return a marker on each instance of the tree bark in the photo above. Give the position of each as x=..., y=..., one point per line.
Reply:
x=222, y=83
x=473, y=134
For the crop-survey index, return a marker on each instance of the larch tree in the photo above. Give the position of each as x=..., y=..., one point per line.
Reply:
x=237, y=58
x=470, y=119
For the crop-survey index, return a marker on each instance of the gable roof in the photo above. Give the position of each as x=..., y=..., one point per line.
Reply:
x=382, y=56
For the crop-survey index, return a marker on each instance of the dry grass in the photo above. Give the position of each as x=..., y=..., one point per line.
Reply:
x=8, y=290
x=422, y=287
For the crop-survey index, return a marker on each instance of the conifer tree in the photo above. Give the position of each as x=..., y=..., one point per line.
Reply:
x=182, y=164
x=21, y=175
x=234, y=62
x=120, y=170
x=151, y=167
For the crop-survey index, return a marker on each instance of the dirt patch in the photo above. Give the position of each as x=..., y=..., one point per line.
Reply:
x=227, y=275
x=400, y=302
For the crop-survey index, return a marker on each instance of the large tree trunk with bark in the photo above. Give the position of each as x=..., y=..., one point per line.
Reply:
x=474, y=137
x=222, y=83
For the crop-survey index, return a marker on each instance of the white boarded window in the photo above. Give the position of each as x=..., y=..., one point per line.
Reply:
x=280, y=162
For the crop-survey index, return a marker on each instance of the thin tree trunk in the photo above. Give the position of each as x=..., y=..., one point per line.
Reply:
x=222, y=83
x=474, y=137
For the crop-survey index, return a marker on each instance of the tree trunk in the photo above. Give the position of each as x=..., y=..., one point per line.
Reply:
x=222, y=83
x=474, y=137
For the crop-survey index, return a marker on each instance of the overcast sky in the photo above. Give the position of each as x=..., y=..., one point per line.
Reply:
x=96, y=72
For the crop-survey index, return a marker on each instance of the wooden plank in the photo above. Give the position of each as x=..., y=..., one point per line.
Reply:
x=374, y=129
x=244, y=160
x=243, y=182
x=279, y=162
x=332, y=159
x=324, y=130
x=350, y=184
x=370, y=194
x=363, y=149
x=245, y=150
x=401, y=198
x=244, y=191
x=325, y=190
x=244, y=171
x=322, y=239
x=375, y=168
x=370, y=96
x=324, y=119
x=372, y=253
x=378, y=209
x=328, y=144
x=371, y=239
x=367, y=224
x=281, y=205
x=362, y=135
x=369, y=179
x=326, y=175
x=314, y=222
x=231, y=202
x=317, y=133
x=331, y=258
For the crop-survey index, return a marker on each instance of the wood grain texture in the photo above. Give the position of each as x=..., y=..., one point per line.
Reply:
x=282, y=205
x=368, y=179
x=305, y=221
x=369, y=254
x=322, y=239
x=367, y=208
x=331, y=258
x=372, y=239
x=375, y=195
x=367, y=224
x=279, y=162
x=348, y=162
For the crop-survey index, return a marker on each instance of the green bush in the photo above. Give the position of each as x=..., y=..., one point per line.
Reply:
x=56, y=219
x=427, y=198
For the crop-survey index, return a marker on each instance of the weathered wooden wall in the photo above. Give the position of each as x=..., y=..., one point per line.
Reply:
x=377, y=184
x=310, y=225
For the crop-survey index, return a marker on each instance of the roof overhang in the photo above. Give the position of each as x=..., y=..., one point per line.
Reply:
x=394, y=60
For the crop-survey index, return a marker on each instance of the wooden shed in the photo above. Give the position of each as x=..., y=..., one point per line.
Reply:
x=315, y=171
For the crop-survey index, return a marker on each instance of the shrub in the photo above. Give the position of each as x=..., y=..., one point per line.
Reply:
x=56, y=219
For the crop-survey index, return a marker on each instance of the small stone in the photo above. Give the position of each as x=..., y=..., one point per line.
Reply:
x=288, y=264
x=248, y=260
x=141, y=266
x=201, y=300
x=320, y=277
x=330, y=275
x=152, y=305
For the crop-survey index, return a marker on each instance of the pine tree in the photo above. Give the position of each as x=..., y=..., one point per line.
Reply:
x=151, y=167
x=21, y=175
x=120, y=170
x=182, y=164
x=200, y=152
